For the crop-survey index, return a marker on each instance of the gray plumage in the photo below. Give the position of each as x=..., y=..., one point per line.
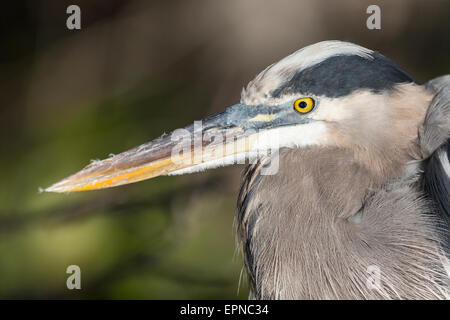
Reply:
x=435, y=145
x=314, y=230
x=358, y=206
x=304, y=247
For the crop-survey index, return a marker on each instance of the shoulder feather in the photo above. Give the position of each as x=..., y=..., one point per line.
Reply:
x=435, y=145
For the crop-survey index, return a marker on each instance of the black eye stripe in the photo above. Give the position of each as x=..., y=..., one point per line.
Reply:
x=340, y=75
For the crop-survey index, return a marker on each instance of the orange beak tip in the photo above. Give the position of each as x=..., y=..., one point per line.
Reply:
x=56, y=188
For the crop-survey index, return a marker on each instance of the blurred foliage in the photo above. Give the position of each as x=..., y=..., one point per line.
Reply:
x=143, y=241
x=135, y=70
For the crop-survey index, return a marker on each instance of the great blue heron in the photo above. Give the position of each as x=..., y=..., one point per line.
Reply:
x=362, y=181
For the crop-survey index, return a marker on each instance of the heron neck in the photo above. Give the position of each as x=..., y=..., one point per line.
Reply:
x=294, y=225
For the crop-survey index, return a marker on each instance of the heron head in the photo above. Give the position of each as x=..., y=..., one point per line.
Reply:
x=331, y=93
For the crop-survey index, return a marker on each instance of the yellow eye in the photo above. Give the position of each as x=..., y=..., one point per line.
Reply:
x=304, y=105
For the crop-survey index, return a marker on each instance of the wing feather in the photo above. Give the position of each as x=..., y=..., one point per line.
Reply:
x=435, y=145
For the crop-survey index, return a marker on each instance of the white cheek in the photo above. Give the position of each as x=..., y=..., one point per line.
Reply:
x=332, y=110
x=301, y=135
x=359, y=103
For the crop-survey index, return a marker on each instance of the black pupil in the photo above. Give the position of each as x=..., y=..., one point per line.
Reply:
x=302, y=105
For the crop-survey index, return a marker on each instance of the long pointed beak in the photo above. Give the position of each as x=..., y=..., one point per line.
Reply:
x=221, y=139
